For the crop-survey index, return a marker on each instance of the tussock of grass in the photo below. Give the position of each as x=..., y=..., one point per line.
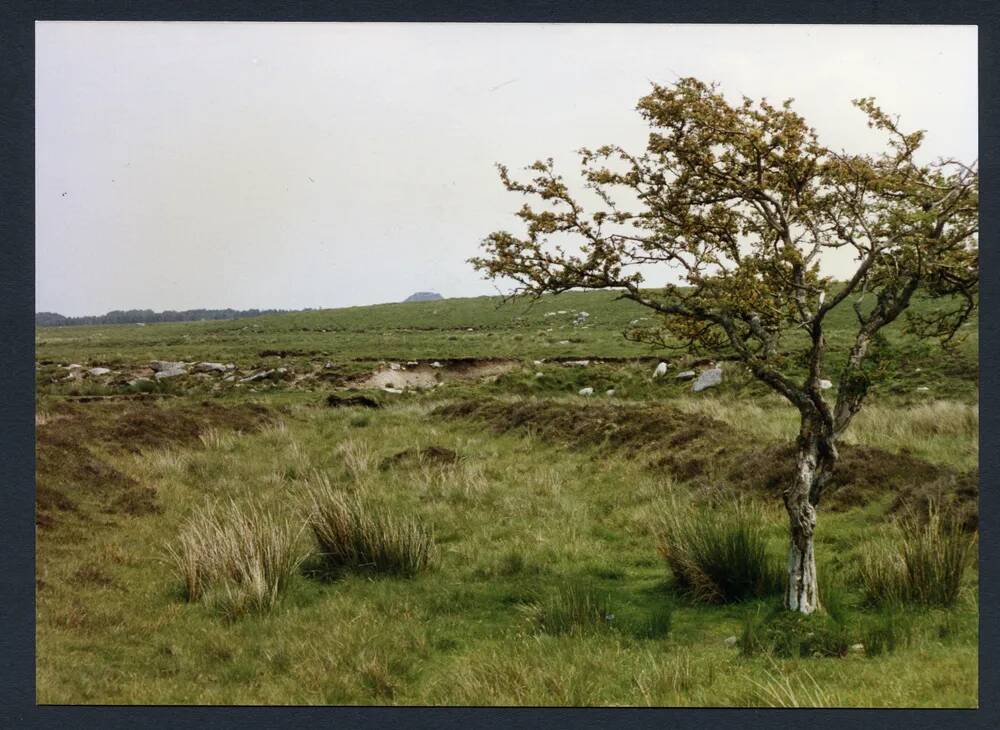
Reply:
x=582, y=610
x=918, y=561
x=886, y=632
x=238, y=558
x=781, y=690
x=355, y=533
x=718, y=555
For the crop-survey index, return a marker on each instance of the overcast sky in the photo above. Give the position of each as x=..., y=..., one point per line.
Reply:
x=186, y=165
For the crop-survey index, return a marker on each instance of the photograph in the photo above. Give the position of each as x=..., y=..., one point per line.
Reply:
x=447, y=364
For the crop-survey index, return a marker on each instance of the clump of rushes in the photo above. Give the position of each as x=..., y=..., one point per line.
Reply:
x=719, y=555
x=238, y=558
x=919, y=560
x=357, y=534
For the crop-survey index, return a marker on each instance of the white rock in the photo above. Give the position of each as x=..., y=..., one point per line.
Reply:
x=609, y=392
x=708, y=379
x=260, y=375
x=539, y=375
x=578, y=363
x=825, y=385
x=160, y=365
x=857, y=648
x=660, y=371
x=412, y=362
x=229, y=378
x=138, y=381
x=923, y=389
x=686, y=375
x=563, y=342
x=209, y=367
x=394, y=366
x=586, y=391
x=538, y=362
x=436, y=364
x=390, y=389
x=99, y=371
x=169, y=373
x=730, y=641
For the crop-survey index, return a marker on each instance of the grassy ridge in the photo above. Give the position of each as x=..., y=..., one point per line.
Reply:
x=454, y=328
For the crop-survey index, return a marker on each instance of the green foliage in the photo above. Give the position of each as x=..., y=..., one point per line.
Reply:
x=887, y=631
x=785, y=633
x=719, y=555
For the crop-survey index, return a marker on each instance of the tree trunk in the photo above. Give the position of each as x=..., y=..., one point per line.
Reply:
x=802, y=593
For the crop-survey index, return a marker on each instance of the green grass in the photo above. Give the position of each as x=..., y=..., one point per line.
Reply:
x=510, y=530
x=358, y=337
x=544, y=584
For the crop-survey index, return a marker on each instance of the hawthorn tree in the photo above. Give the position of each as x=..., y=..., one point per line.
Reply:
x=742, y=203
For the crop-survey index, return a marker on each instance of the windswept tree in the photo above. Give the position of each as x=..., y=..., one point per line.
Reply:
x=739, y=205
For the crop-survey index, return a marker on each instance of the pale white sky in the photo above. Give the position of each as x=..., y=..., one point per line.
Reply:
x=186, y=165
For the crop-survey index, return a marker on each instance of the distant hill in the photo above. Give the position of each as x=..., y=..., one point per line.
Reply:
x=423, y=296
x=135, y=316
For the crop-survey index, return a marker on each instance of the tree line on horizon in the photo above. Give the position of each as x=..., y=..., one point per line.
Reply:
x=144, y=316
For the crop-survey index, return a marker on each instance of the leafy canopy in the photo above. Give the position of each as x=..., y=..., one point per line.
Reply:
x=742, y=202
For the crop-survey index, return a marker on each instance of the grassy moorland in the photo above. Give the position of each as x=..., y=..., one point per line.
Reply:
x=496, y=539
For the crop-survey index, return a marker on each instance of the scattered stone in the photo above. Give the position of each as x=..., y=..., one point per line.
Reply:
x=209, y=367
x=708, y=379
x=730, y=641
x=436, y=364
x=539, y=375
x=337, y=401
x=161, y=365
x=825, y=385
x=260, y=375
x=229, y=379
x=170, y=372
x=390, y=389
x=578, y=363
x=230, y=366
x=586, y=391
x=99, y=371
x=686, y=375
x=923, y=389
x=395, y=366
x=74, y=366
x=857, y=648
x=412, y=362
x=139, y=381
x=538, y=362
x=660, y=371
x=609, y=392
x=563, y=342
x=581, y=318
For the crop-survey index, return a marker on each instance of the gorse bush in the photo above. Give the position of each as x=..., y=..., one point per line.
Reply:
x=355, y=533
x=919, y=561
x=719, y=556
x=238, y=558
